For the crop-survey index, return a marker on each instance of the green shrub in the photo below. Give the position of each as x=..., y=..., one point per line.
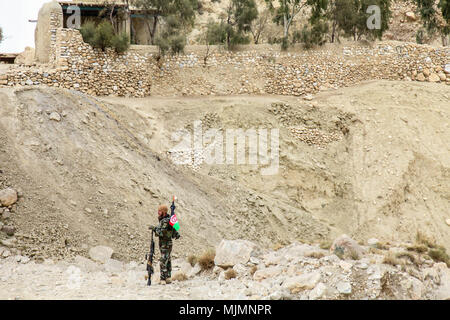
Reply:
x=104, y=34
x=439, y=255
x=314, y=35
x=121, y=42
x=420, y=37
x=163, y=45
x=172, y=37
x=88, y=32
x=216, y=33
x=177, y=43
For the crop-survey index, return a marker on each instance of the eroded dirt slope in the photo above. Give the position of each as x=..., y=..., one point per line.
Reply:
x=88, y=175
x=370, y=161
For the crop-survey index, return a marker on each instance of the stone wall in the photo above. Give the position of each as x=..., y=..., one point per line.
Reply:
x=76, y=65
x=298, y=73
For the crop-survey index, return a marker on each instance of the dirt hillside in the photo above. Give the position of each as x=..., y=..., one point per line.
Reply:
x=369, y=161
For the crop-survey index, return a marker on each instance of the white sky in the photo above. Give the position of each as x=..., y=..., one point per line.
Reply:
x=17, y=31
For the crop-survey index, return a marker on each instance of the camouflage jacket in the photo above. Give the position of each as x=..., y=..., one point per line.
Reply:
x=165, y=231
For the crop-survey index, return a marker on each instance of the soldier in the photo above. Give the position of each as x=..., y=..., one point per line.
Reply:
x=166, y=233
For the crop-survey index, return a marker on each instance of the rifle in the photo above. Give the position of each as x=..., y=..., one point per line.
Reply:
x=172, y=207
x=149, y=258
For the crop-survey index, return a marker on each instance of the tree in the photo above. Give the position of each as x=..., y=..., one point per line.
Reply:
x=239, y=17
x=114, y=14
x=1, y=35
x=351, y=16
x=286, y=12
x=435, y=18
x=214, y=34
x=259, y=25
x=314, y=33
x=158, y=10
x=103, y=36
x=171, y=38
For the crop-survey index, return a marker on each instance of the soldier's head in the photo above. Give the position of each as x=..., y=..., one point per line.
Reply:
x=162, y=211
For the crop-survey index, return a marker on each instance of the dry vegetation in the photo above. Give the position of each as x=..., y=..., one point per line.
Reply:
x=179, y=276
x=206, y=260
x=192, y=259
x=230, y=274
x=253, y=270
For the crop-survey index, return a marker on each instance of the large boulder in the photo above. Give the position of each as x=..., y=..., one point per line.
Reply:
x=346, y=248
x=231, y=252
x=114, y=266
x=443, y=291
x=85, y=264
x=305, y=281
x=101, y=253
x=267, y=273
x=26, y=57
x=8, y=197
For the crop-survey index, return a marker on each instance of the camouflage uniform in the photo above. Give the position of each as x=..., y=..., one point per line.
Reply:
x=165, y=232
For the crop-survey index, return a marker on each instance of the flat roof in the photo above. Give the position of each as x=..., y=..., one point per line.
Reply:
x=91, y=3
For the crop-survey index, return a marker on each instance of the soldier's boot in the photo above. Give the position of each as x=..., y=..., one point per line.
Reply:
x=168, y=281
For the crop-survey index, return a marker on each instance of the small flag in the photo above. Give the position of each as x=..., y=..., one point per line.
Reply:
x=174, y=222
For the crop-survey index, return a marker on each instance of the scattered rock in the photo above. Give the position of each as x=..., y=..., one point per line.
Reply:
x=10, y=243
x=85, y=264
x=344, y=287
x=318, y=292
x=113, y=266
x=447, y=68
x=267, y=273
x=373, y=242
x=346, y=248
x=282, y=294
x=185, y=267
x=9, y=230
x=6, y=214
x=420, y=77
x=302, y=282
x=410, y=16
x=8, y=197
x=231, y=252
x=194, y=271
x=55, y=116
x=101, y=253
x=443, y=291
x=434, y=78
x=447, y=222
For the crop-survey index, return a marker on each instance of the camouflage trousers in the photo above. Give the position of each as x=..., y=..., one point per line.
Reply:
x=165, y=263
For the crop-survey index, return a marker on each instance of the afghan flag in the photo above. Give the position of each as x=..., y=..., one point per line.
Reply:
x=174, y=222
